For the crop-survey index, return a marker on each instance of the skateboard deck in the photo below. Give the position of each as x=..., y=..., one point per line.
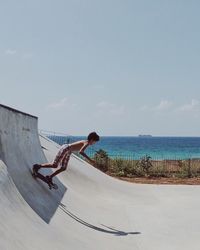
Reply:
x=43, y=178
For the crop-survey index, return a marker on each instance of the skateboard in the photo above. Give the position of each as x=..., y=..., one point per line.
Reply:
x=44, y=179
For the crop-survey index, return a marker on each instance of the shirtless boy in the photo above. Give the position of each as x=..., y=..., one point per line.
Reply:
x=63, y=155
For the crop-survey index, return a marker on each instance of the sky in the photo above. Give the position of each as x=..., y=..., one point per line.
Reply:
x=117, y=67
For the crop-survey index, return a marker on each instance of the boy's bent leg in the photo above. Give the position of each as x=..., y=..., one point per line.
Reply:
x=57, y=172
x=36, y=167
x=48, y=165
x=65, y=161
x=60, y=155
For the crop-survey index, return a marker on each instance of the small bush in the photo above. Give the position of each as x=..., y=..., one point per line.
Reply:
x=101, y=159
x=184, y=169
x=159, y=170
x=145, y=164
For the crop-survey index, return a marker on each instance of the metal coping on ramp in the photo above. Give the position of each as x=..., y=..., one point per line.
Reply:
x=15, y=110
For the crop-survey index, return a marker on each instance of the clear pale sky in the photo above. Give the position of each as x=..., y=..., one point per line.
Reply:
x=117, y=67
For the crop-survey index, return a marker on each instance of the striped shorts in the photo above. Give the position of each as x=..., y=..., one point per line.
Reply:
x=63, y=155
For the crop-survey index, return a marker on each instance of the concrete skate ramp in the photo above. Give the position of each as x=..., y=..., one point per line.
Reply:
x=20, y=227
x=19, y=149
x=91, y=210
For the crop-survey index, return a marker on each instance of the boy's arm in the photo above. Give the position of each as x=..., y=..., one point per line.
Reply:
x=81, y=152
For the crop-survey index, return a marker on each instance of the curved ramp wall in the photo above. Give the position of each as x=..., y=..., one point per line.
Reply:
x=19, y=149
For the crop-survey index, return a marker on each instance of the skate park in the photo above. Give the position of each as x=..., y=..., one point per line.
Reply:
x=90, y=210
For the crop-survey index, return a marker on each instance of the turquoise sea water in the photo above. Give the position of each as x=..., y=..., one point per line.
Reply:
x=137, y=147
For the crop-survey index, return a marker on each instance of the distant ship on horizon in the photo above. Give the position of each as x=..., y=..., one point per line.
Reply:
x=146, y=136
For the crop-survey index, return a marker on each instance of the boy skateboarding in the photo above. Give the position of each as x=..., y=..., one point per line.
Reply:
x=63, y=155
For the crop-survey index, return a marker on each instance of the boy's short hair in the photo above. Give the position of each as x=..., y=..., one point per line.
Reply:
x=93, y=136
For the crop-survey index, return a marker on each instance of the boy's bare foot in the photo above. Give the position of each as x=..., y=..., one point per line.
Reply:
x=36, y=168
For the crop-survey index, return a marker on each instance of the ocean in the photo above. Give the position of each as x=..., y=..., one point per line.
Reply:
x=158, y=148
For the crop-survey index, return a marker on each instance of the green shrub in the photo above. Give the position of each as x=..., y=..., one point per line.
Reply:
x=102, y=160
x=145, y=164
x=159, y=170
x=184, y=169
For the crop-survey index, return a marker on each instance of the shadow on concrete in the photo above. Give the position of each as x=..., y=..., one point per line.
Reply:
x=100, y=229
x=41, y=199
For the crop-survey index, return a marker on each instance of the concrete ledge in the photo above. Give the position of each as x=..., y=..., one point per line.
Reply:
x=18, y=111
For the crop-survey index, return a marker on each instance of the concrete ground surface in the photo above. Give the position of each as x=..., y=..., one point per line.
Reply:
x=90, y=210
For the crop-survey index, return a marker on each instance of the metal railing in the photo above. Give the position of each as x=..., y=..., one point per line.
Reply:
x=59, y=138
x=62, y=138
x=129, y=164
